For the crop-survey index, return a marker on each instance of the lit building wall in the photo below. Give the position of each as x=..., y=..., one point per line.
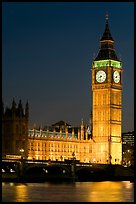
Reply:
x=58, y=146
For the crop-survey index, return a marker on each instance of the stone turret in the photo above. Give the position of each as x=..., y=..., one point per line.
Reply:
x=27, y=110
x=66, y=131
x=14, y=130
x=13, y=105
x=20, y=109
x=60, y=132
x=79, y=134
x=82, y=130
x=73, y=133
x=86, y=134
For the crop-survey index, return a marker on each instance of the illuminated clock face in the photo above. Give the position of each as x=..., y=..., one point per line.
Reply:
x=100, y=76
x=116, y=77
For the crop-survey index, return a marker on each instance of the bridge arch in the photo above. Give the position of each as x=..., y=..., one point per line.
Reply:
x=46, y=171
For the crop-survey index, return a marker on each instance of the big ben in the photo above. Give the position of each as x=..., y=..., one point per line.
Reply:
x=107, y=102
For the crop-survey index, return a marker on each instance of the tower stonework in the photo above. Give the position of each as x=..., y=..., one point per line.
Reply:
x=107, y=102
x=15, y=130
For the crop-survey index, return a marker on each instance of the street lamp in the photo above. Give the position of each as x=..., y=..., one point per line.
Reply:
x=61, y=157
x=73, y=154
x=21, y=151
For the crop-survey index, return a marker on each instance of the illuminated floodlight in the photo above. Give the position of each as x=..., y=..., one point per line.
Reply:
x=21, y=150
x=105, y=63
x=64, y=171
x=11, y=170
x=94, y=160
x=45, y=170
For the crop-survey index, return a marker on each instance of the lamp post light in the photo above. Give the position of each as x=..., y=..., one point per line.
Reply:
x=73, y=166
x=21, y=163
x=73, y=155
x=21, y=152
x=61, y=158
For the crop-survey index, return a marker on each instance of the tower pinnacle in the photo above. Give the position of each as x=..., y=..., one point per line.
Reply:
x=107, y=17
x=106, y=50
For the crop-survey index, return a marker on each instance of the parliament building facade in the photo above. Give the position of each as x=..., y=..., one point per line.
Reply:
x=104, y=145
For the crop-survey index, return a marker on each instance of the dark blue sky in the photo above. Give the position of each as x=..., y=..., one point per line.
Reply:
x=47, y=52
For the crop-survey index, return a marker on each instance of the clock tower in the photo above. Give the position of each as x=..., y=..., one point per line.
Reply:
x=107, y=102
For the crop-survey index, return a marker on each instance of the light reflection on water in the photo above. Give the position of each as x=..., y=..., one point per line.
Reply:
x=106, y=191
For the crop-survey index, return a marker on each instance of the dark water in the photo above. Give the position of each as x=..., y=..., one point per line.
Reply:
x=107, y=191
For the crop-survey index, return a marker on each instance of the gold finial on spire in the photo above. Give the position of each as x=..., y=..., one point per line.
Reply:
x=107, y=17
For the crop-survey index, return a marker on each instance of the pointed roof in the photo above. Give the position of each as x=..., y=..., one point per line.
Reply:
x=13, y=104
x=107, y=33
x=61, y=123
x=106, y=50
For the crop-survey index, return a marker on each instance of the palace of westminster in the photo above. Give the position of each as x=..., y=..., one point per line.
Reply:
x=61, y=141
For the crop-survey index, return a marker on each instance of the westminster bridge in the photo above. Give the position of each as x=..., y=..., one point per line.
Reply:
x=38, y=170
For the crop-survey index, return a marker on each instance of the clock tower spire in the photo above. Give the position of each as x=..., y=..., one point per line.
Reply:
x=107, y=102
x=106, y=50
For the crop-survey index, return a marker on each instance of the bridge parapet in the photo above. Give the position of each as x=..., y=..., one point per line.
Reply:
x=54, y=169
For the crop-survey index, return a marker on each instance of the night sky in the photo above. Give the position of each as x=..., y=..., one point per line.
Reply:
x=47, y=52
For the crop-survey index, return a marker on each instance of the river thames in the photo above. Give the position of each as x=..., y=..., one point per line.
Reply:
x=105, y=191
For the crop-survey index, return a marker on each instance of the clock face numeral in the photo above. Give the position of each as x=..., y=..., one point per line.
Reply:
x=116, y=77
x=100, y=76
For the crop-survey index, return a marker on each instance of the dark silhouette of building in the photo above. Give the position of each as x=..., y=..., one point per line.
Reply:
x=128, y=148
x=128, y=138
x=15, y=129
